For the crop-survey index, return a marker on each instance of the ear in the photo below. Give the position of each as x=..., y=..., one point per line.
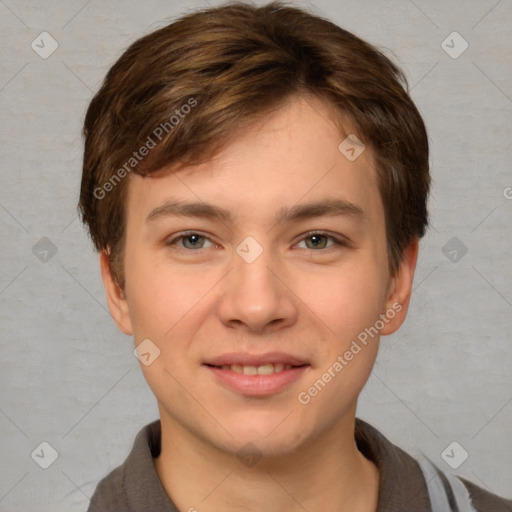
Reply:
x=116, y=299
x=400, y=289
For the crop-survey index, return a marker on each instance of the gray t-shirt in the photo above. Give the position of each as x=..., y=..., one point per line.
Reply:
x=135, y=487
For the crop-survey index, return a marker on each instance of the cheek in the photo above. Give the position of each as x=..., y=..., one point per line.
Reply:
x=348, y=306
x=346, y=301
x=165, y=300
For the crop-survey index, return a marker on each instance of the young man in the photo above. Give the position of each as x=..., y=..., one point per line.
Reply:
x=255, y=180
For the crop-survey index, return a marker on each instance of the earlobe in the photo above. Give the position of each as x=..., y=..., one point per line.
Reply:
x=116, y=300
x=400, y=289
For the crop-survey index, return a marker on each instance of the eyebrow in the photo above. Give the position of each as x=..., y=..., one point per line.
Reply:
x=325, y=208
x=184, y=209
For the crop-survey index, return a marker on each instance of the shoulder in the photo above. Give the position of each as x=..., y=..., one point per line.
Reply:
x=109, y=494
x=484, y=501
x=415, y=483
x=134, y=485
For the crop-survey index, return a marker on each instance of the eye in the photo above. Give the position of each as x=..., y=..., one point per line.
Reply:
x=191, y=241
x=320, y=241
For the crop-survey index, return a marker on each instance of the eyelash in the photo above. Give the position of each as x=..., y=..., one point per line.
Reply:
x=336, y=241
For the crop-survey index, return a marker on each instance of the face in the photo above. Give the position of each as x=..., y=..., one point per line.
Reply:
x=256, y=276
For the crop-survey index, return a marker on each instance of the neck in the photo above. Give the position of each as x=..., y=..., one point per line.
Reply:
x=329, y=474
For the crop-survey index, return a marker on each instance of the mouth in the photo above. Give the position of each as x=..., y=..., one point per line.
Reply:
x=262, y=369
x=254, y=375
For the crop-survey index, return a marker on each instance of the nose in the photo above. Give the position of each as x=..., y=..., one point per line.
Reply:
x=256, y=298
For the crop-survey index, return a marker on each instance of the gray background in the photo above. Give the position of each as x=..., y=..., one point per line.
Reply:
x=69, y=378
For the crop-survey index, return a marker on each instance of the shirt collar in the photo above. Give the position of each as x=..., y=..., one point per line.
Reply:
x=402, y=486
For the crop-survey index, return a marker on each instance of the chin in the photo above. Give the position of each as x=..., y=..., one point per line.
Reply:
x=270, y=434
x=250, y=445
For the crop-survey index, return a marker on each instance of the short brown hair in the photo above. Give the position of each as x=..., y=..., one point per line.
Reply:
x=229, y=65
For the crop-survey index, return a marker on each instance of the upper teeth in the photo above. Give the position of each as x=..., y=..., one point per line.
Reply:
x=264, y=369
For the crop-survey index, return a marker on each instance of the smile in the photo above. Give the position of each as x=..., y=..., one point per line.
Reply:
x=264, y=369
x=253, y=375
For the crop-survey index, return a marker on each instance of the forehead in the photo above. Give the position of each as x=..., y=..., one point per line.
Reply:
x=295, y=154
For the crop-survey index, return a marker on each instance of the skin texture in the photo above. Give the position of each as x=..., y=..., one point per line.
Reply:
x=296, y=297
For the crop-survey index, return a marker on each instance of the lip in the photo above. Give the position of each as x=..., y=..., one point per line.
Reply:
x=256, y=385
x=245, y=359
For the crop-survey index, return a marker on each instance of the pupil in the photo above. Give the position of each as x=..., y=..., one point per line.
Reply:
x=317, y=240
x=193, y=240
